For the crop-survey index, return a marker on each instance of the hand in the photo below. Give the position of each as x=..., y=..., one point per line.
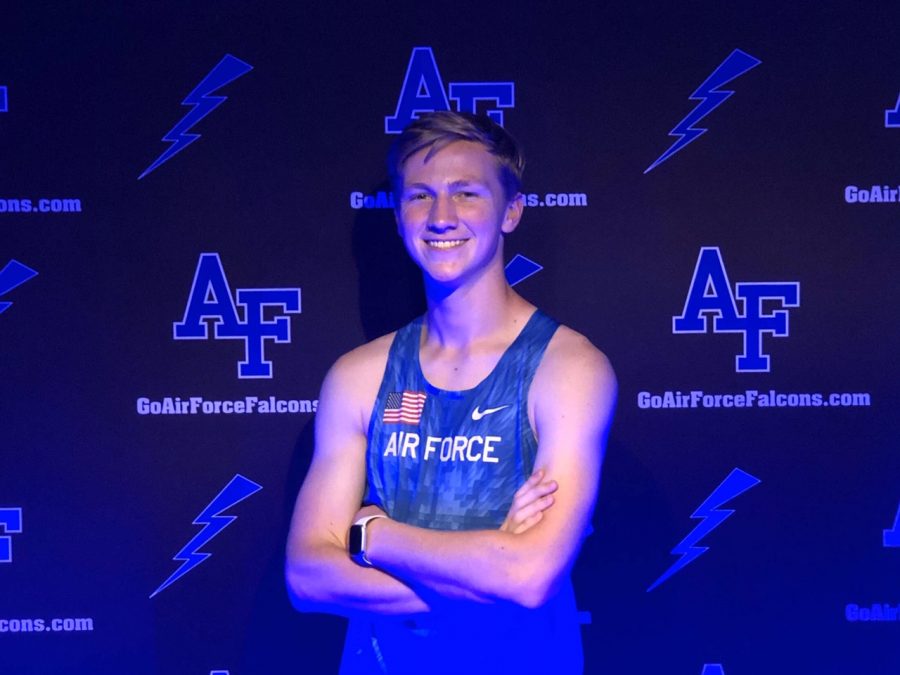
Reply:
x=370, y=510
x=529, y=503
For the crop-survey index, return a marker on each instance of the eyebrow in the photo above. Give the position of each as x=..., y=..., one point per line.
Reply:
x=416, y=186
x=466, y=182
x=460, y=183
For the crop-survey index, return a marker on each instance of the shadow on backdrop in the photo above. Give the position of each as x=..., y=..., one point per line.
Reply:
x=390, y=285
x=279, y=638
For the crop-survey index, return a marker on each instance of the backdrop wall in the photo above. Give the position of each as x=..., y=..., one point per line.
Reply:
x=183, y=269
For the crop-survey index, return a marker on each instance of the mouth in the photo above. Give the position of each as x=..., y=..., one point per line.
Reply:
x=444, y=244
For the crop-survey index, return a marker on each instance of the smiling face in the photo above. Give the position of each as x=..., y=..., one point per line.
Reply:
x=452, y=213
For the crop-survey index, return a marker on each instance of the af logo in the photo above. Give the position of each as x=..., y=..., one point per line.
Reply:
x=210, y=301
x=710, y=301
x=423, y=91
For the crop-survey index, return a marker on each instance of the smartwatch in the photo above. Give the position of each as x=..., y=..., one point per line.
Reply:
x=358, y=540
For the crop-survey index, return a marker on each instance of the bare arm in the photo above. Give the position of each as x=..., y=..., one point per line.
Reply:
x=320, y=575
x=572, y=398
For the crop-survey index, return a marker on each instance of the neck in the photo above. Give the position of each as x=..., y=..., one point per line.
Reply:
x=458, y=317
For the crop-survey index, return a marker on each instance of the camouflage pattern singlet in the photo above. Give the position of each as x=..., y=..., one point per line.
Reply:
x=452, y=460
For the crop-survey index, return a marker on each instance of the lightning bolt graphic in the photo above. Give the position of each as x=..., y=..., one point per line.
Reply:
x=227, y=70
x=12, y=275
x=713, y=515
x=892, y=116
x=238, y=489
x=891, y=538
x=710, y=98
x=520, y=268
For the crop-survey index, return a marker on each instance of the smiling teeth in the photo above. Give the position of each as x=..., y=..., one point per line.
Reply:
x=449, y=243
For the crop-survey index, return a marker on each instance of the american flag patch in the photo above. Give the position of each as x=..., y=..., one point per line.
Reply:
x=405, y=408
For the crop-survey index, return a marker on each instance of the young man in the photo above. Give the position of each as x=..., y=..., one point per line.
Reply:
x=457, y=460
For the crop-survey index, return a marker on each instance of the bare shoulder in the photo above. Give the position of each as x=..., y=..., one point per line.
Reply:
x=364, y=362
x=575, y=380
x=572, y=361
x=351, y=384
x=572, y=397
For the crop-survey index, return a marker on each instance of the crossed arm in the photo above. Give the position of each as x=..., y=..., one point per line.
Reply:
x=571, y=401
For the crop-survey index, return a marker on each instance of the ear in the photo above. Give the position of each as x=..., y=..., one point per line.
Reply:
x=513, y=213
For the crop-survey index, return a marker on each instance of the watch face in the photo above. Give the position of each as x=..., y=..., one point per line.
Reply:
x=356, y=539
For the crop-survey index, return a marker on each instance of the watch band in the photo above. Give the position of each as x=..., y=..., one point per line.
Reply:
x=358, y=540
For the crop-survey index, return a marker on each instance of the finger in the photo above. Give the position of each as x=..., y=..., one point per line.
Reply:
x=538, y=505
x=533, y=480
x=526, y=507
x=529, y=523
x=546, y=487
x=535, y=492
x=539, y=489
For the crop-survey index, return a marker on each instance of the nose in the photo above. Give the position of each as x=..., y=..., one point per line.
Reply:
x=442, y=216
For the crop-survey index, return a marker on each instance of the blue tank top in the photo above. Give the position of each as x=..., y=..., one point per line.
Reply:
x=452, y=460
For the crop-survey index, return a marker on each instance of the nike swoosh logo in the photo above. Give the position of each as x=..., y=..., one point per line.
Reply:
x=478, y=414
